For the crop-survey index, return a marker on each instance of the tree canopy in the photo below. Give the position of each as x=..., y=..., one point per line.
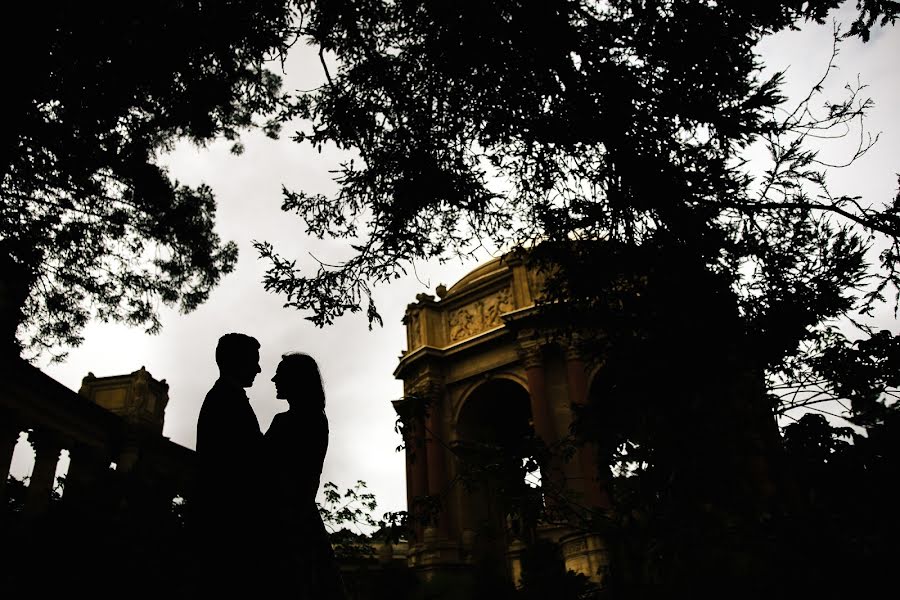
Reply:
x=611, y=137
x=626, y=122
x=91, y=224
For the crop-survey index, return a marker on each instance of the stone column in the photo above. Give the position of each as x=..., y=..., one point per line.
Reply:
x=88, y=470
x=129, y=452
x=410, y=410
x=595, y=493
x=552, y=479
x=419, y=488
x=410, y=497
x=9, y=437
x=40, y=486
x=436, y=456
x=541, y=411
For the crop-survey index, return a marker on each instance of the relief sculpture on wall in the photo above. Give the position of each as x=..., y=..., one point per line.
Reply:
x=479, y=316
x=415, y=330
x=537, y=279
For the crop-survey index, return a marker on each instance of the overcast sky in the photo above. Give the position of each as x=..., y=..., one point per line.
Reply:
x=356, y=363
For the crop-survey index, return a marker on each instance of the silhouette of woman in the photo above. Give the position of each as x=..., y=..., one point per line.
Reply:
x=296, y=443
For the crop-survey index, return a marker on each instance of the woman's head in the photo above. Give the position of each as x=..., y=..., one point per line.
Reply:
x=297, y=380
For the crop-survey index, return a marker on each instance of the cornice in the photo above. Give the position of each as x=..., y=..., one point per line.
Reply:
x=423, y=353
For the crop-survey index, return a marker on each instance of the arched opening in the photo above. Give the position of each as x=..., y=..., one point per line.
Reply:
x=495, y=436
x=610, y=421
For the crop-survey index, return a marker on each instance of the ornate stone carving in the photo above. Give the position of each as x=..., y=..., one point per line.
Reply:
x=140, y=394
x=86, y=383
x=415, y=330
x=428, y=390
x=45, y=443
x=537, y=279
x=479, y=316
x=573, y=347
x=530, y=354
x=529, y=347
x=574, y=546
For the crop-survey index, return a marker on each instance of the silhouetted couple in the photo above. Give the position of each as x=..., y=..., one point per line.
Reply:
x=260, y=530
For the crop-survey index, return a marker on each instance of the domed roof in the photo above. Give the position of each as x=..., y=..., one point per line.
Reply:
x=492, y=267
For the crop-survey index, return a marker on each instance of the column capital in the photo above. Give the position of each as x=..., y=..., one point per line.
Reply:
x=573, y=352
x=429, y=390
x=45, y=443
x=531, y=354
x=10, y=428
x=530, y=347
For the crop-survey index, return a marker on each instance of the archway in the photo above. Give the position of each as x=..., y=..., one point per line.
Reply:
x=495, y=433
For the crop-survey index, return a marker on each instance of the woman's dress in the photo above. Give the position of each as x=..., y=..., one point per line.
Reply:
x=296, y=443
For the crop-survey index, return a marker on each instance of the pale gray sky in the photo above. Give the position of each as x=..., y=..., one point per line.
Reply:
x=356, y=363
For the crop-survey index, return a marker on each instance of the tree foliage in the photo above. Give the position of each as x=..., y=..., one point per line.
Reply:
x=509, y=124
x=611, y=138
x=620, y=122
x=513, y=123
x=91, y=224
x=350, y=520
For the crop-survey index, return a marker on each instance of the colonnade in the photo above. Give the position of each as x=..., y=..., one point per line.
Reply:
x=88, y=466
x=56, y=419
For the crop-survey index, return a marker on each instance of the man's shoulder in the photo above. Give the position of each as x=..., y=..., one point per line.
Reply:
x=222, y=402
x=223, y=388
x=222, y=393
x=210, y=400
x=226, y=420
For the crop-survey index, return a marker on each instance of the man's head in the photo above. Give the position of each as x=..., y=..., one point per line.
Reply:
x=238, y=358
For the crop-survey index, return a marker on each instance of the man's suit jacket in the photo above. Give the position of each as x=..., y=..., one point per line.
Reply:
x=230, y=461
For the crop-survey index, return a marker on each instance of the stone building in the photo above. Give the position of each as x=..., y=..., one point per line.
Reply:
x=482, y=368
x=112, y=429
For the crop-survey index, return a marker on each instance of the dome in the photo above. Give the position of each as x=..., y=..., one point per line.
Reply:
x=488, y=270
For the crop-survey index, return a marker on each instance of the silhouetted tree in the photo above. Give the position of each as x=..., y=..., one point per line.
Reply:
x=609, y=138
x=91, y=225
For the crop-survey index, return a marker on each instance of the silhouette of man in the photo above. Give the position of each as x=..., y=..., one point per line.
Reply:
x=230, y=464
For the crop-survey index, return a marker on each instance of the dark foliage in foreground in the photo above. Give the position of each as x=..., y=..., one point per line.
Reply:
x=91, y=225
x=609, y=137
